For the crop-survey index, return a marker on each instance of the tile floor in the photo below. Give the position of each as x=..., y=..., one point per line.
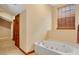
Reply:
x=7, y=47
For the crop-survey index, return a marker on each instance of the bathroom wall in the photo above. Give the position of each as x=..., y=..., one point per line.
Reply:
x=64, y=35
x=34, y=25
x=37, y=20
x=23, y=26
x=5, y=28
x=39, y=23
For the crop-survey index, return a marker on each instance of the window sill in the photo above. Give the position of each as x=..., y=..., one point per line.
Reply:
x=65, y=28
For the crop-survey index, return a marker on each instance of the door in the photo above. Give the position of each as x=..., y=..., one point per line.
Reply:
x=16, y=31
x=78, y=34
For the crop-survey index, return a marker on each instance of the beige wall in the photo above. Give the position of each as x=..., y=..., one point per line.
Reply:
x=23, y=29
x=64, y=35
x=5, y=30
x=9, y=18
x=6, y=16
x=37, y=23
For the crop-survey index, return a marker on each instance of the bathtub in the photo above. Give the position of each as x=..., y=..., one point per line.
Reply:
x=51, y=47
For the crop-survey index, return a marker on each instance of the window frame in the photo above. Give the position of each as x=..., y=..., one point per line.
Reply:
x=72, y=18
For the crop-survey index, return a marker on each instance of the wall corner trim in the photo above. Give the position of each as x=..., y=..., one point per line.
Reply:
x=28, y=53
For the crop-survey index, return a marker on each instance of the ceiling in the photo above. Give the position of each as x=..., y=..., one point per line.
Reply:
x=8, y=11
x=11, y=10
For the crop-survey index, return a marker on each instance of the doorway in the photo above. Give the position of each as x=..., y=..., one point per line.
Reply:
x=78, y=34
x=16, y=30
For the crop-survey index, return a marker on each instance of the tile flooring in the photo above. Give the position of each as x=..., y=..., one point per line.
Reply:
x=7, y=47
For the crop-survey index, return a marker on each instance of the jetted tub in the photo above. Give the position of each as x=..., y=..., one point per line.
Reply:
x=51, y=47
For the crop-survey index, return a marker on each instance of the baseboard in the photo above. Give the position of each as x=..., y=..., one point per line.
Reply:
x=30, y=52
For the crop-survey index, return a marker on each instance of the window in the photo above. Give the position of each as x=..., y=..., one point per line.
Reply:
x=66, y=17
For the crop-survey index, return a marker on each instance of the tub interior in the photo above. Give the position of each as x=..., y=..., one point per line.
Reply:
x=58, y=46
